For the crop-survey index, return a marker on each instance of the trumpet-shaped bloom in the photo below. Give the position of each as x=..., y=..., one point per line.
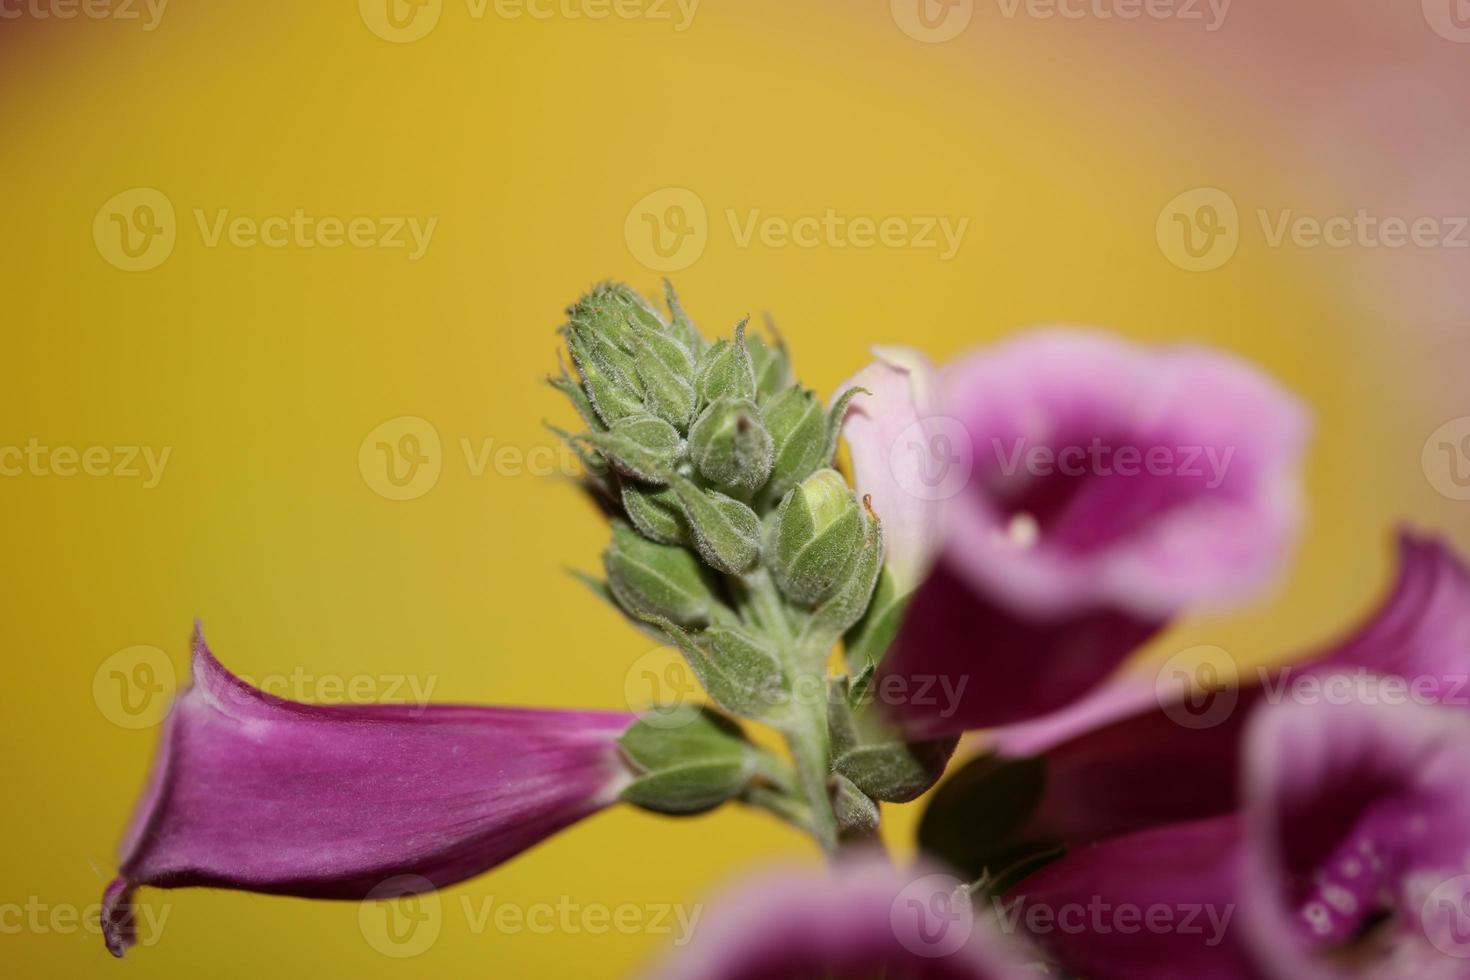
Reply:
x=1106, y=781
x=1350, y=857
x=1101, y=488
x=865, y=919
x=253, y=792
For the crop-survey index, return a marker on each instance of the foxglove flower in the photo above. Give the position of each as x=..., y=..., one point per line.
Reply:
x=1104, y=781
x=865, y=919
x=252, y=792
x=1109, y=487
x=1349, y=858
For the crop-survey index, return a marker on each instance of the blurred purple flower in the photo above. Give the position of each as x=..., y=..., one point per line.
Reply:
x=1349, y=858
x=1086, y=490
x=253, y=792
x=1105, y=781
x=862, y=919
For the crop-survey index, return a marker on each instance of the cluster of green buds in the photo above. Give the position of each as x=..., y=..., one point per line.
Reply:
x=735, y=539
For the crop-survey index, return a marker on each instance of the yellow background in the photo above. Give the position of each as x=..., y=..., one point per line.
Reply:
x=529, y=141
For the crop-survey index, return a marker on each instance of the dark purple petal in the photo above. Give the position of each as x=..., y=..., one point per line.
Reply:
x=864, y=919
x=984, y=665
x=1157, y=905
x=254, y=792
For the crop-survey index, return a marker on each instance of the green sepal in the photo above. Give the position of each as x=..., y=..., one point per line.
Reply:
x=737, y=671
x=834, y=422
x=599, y=476
x=725, y=370
x=683, y=327
x=817, y=535
x=578, y=397
x=730, y=447
x=688, y=769
x=726, y=532
x=857, y=813
x=867, y=642
x=770, y=365
x=641, y=446
x=798, y=429
x=656, y=513
x=652, y=579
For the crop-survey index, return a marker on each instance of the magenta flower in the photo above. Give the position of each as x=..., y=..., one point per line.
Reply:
x=1105, y=781
x=1350, y=857
x=1102, y=488
x=252, y=792
x=863, y=919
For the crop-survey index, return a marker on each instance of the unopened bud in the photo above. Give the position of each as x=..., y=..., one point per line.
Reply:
x=651, y=579
x=725, y=370
x=655, y=511
x=726, y=532
x=818, y=532
x=689, y=768
x=798, y=427
x=640, y=446
x=730, y=447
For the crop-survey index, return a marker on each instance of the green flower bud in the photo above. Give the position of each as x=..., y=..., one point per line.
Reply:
x=798, y=428
x=666, y=369
x=613, y=311
x=818, y=533
x=726, y=532
x=845, y=607
x=655, y=511
x=730, y=447
x=743, y=674
x=688, y=769
x=725, y=370
x=770, y=365
x=651, y=579
x=640, y=446
x=611, y=396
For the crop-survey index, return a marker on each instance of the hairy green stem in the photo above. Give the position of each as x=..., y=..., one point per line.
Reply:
x=806, y=735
